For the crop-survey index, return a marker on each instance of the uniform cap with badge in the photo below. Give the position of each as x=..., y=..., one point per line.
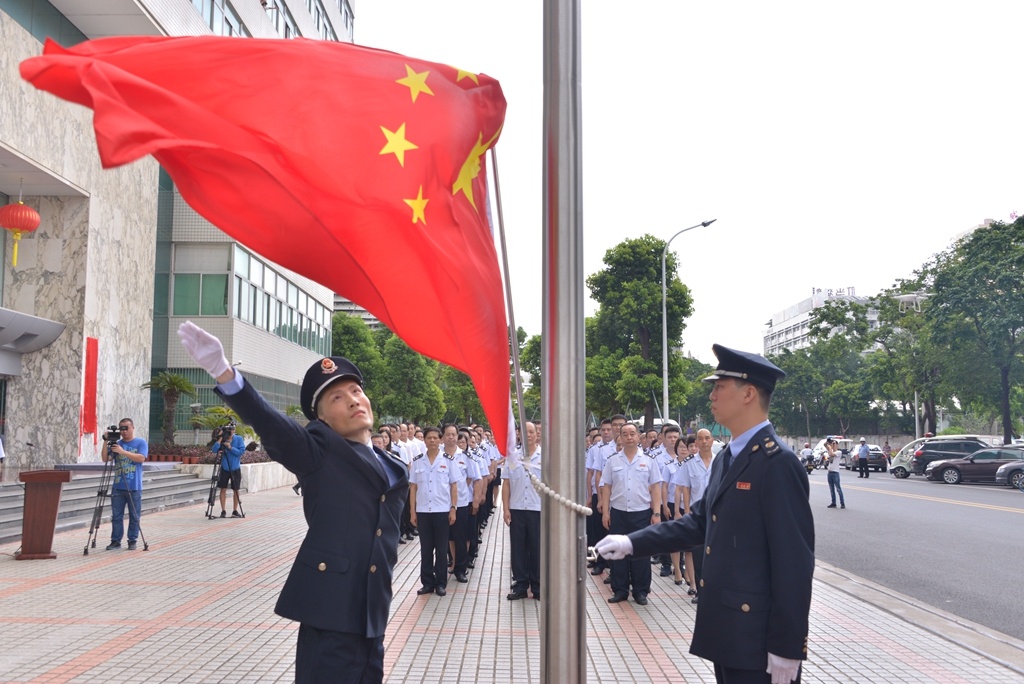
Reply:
x=320, y=375
x=746, y=366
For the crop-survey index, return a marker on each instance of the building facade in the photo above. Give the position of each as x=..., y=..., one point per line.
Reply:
x=88, y=314
x=790, y=328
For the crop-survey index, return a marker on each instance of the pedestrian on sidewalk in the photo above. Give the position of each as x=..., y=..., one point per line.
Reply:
x=862, y=457
x=230, y=446
x=831, y=446
x=339, y=588
x=755, y=524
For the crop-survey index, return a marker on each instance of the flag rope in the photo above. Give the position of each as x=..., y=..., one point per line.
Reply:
x=538, y=484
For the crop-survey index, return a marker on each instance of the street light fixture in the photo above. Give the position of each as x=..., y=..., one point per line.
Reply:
x=664, y=322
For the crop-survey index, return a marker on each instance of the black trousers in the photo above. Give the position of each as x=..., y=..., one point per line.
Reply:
x=433, y=529
x=729, y=675
x=323, y=656
x=596, y=531
x=460, y=535
x=406, y=525
x=524, y=533
x=474, y=532
x=862, y=466
x=630, y=571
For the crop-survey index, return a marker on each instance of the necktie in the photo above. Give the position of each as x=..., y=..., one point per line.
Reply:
x=727, y=456
x=375, y=460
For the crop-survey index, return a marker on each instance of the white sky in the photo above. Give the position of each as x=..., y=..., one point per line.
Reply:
x=837, y=144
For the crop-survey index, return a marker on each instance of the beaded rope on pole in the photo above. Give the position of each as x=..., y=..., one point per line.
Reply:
x=538, y=484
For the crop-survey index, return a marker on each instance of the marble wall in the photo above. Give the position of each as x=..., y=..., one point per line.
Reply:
x=89, y=265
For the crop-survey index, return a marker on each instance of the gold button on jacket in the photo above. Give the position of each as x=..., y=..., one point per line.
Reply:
x=322, y=567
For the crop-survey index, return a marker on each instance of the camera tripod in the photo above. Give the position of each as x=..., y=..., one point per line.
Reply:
x=106, y=480
x=211, y=500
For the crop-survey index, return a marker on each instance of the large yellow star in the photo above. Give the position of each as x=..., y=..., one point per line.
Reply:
x=471, y=168
x=397, y=144
x=418, y=204
x=465, y=74
x=415, y=82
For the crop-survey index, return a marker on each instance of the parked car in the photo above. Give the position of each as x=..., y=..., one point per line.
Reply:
x=876, y=458
x=981, y=466
x=943, y=449
x=1012, y=474
x=901, y=467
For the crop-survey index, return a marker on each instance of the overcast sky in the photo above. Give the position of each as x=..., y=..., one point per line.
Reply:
x=838, y=145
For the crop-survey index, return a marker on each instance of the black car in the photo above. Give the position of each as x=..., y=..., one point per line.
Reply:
x=941, y=449
x=981, y=466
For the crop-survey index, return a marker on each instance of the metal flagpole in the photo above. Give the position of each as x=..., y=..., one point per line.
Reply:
x=563, y=542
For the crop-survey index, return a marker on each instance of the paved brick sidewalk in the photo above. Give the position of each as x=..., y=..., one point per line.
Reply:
x=198, y=607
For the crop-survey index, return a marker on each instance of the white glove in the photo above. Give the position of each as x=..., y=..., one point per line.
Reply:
x=614, y=547
x=782, y=670
x=206, y=349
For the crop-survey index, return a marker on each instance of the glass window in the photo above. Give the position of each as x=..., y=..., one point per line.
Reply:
x=186, y=294
x=244, y=303
x=241, y=262
x=269, y=280
x=282, y=288
x=293, y=295
x=238, y=297
x=272, y=313
x=215, y=294
x=253, y=297
x=311, y=310
x=260, y=319
x=986, y=455
x=161, y=288
x=256, y=271
x=302, y=303
x=201, y=258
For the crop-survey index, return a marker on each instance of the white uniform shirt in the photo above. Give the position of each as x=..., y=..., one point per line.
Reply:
x=522, y=495
x=630, y=482
x=668, y=475
x=466, y=472
x=695, y=475
x=433, y=482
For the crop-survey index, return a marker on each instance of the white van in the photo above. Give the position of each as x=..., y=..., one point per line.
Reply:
x=844, y=445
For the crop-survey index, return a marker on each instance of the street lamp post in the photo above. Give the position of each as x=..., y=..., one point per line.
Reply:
x=664, y=322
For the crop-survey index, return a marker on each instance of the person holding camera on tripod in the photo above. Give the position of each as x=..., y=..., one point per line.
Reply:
x=339, y=588
x=231, y=447
x=129, y=453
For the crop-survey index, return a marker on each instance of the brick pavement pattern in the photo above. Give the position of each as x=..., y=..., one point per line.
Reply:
x=198, y=607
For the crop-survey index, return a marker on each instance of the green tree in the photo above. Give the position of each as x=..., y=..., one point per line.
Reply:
x=529, y=363
x=216, y=416
x=977, y=302
x=627, y=326
x=353, y=339
x=410, y=391
x=172, y=387
x=460, y=397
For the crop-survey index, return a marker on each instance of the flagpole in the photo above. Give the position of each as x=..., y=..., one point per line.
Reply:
x=563, y=543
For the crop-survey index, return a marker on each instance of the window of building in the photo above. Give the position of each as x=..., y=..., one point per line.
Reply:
x=186, y=294
x=214, y=296
x=161, y=290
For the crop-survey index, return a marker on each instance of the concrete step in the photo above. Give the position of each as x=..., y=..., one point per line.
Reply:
x=162, y=488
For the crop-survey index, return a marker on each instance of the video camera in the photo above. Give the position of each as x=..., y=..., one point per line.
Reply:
x=225, y=431
x=112, y=434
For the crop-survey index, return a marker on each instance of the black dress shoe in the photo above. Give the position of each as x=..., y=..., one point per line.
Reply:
x=401, y=541
x=536, y=595
x=471, y=565
x=596, y=571
x=830, y=506
x=440, y=591
x=641, y=599
x=607, y=580
x=461, y=577
x=618, y=598
x=516, y=595
x=666, y=571
x=424, y=590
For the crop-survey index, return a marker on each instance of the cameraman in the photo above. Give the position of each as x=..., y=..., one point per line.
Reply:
x=231, y=447
x=129, y=453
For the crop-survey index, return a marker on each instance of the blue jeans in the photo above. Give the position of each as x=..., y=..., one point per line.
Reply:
x=118, y=499
x=833, y=485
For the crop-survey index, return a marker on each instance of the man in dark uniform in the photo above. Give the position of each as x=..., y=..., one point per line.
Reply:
x=754, y=522
x=339, y=587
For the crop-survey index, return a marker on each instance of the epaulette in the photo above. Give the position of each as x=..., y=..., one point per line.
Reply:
x=688, y=458
x=771, y=447
x=450, y=458
x=417, y=457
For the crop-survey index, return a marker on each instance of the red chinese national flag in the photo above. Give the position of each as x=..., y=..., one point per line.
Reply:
x=360, y=169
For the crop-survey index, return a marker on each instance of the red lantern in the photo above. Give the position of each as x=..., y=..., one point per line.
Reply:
x=19, y=218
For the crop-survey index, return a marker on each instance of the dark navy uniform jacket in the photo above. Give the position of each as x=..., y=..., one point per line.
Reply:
x=757, y=530
x=341, y=578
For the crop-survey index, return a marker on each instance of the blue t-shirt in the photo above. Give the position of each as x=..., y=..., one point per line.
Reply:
x=231, y=457
x=128, y=473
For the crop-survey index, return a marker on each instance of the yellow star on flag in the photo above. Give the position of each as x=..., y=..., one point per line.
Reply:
x=471, y=168
x=397, y=144
x=418, y=204
x=465, y=74
x=415, y=82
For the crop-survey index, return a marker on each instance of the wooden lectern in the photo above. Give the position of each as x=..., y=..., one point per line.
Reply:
x=42, y=499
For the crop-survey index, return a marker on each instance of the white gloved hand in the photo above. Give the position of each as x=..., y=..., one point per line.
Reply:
x=206, y=349
x=782, y=670
x=614, y=547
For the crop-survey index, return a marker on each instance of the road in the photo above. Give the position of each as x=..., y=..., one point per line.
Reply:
x=956, y=547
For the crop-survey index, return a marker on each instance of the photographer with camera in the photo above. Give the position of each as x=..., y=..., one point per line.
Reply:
x=230, y=446
x=129, y=453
